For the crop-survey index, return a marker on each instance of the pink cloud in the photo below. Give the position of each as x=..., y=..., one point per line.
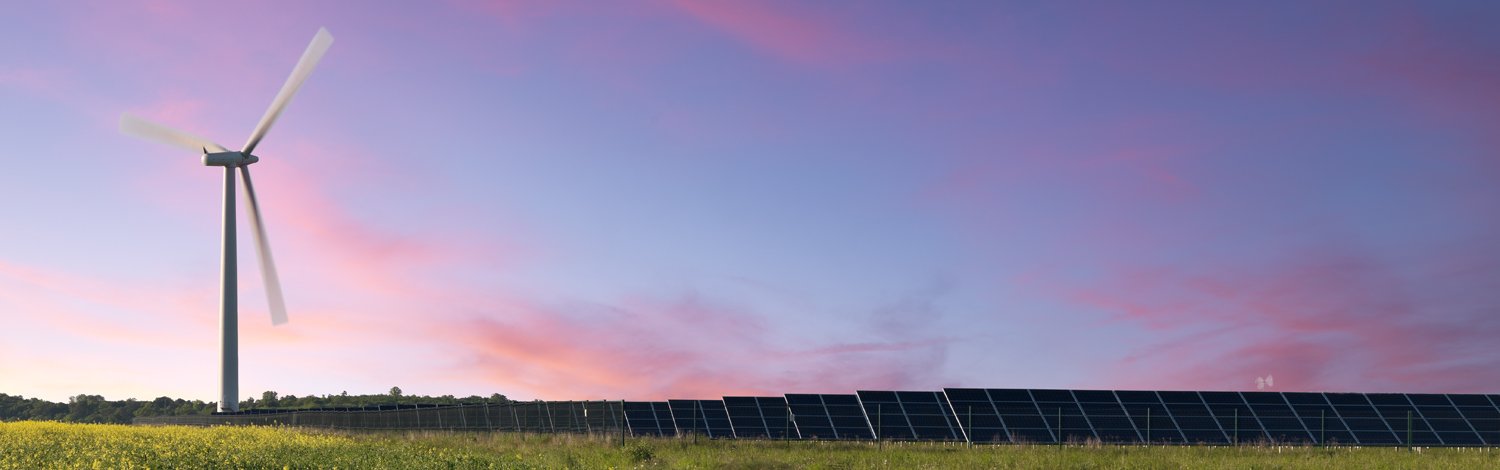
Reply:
x=684, y=347
x=1326, y=320
x=794, y=33
x=1443, y=79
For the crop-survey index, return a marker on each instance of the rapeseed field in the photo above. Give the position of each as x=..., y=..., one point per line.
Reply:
x=48, y=445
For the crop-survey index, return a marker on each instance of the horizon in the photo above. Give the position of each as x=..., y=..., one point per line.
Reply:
x=678, y=199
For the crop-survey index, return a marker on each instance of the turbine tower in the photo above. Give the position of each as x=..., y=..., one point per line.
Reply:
x=216, y=155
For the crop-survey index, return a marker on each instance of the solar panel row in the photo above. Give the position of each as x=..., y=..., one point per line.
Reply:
x=1009, y=415
x=1061, y=416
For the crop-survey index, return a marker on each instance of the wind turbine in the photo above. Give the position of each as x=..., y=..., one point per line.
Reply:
x=216, y=155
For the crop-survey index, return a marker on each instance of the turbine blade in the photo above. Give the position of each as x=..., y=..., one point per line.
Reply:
x=263, y=251
x=304, y=68
x=139, y=127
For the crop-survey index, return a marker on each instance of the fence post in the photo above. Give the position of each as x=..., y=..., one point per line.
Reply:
x=879, y=444
x=969, y=426
x=1236, y=426
x=1322, y=427
x=1148, y=426
x=1059, y=426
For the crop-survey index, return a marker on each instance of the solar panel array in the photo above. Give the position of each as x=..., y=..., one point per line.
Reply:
x=962, y=414
x=1060, y=416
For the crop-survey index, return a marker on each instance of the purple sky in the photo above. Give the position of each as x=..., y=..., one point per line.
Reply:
x=660, y=199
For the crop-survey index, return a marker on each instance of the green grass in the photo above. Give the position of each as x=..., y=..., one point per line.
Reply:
x=31, y=445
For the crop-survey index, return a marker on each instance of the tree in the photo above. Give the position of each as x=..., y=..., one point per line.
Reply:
x=85, y=408
x=396, y=392
x=268, y=398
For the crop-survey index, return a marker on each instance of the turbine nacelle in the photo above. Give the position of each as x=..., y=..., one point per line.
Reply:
x=231, y=159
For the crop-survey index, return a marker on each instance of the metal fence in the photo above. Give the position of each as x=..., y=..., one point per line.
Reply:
x=983, y=416
x=536, y=416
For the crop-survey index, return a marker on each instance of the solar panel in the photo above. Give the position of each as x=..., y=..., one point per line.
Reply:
x=1445, y=420
x=1062, y=413
x=1107, y=414
x=530, y=416
x=920, y=416
x=1401, y=416
x=829, y=416
x=1153, y=419
x=760, y=417
x=1192, y=417
x=1319, y=417
x=1021, y=416
x=649, y=418
x=1235, y=417
x=706, y=417
x=1277, y=417
x=980, y=421
x=567, y=416
x=1360, y=415
x=603, y=416
x=1481, y=414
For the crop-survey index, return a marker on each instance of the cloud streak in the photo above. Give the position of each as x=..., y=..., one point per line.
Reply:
x=1328, y=319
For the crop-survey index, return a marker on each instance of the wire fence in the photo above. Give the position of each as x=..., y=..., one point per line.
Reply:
x=972, y=422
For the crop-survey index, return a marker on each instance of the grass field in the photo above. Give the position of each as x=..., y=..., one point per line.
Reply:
x=33, y=445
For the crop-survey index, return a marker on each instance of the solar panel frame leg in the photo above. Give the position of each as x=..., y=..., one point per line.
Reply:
x=965, y=425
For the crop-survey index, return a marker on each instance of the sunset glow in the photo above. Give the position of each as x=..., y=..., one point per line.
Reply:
x=654, y=199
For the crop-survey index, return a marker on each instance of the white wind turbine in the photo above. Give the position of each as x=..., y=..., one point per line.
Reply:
x=216, y=155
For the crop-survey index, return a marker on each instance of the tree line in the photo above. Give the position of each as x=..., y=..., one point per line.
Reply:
x=96, y=409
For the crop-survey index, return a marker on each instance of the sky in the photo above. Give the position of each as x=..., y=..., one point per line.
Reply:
x=690, y=199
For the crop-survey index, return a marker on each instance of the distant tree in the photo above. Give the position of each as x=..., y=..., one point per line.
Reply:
x=85, y=408
x=268, y=398
x=396, y=392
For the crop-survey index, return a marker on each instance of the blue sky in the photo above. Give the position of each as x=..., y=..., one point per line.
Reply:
x=691, y=199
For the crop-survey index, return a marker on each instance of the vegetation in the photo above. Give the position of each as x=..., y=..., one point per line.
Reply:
x=96, y=409
x=57, y=445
